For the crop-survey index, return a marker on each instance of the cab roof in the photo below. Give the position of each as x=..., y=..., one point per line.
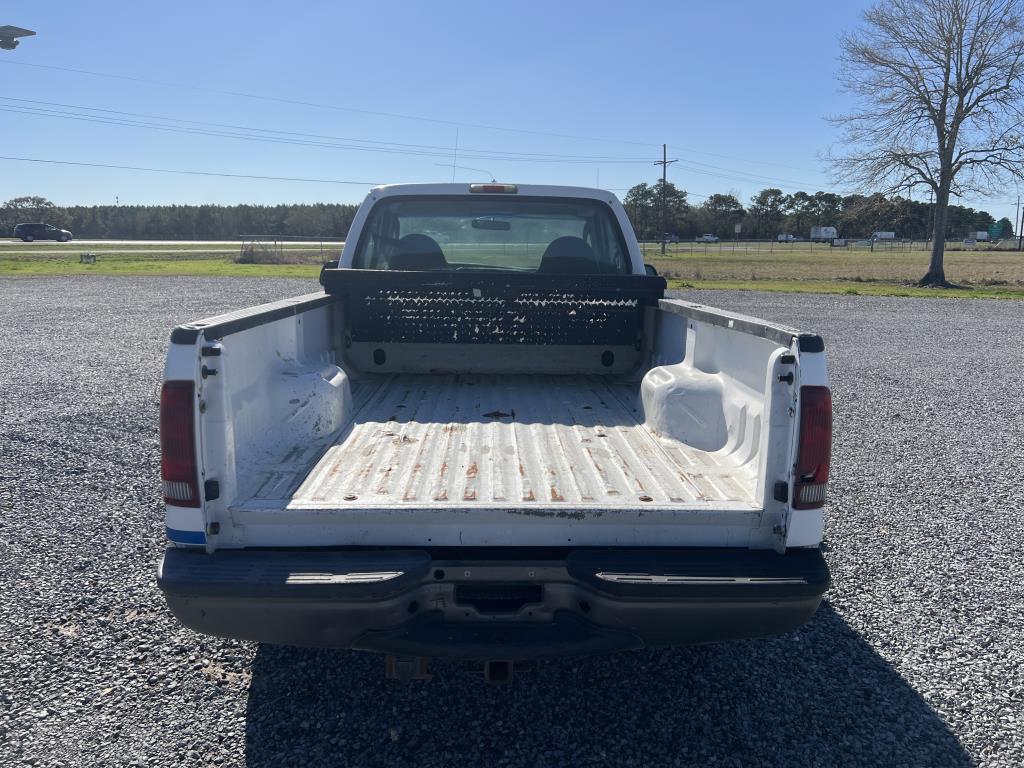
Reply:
x=522, y=190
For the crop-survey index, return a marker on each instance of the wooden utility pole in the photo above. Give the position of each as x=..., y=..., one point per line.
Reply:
x=664, y=163
x=1020, y=226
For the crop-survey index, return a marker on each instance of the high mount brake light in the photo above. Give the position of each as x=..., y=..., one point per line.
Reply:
x=178, y=468
x=815, y=452
x=508, y=189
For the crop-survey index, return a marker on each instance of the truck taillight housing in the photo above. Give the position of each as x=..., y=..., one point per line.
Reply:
x=815, y=451
x=178, y=468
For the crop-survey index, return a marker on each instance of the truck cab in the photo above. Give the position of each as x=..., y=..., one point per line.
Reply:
x=492, y=436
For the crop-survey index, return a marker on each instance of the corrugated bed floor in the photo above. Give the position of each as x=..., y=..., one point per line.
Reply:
x=431, y=440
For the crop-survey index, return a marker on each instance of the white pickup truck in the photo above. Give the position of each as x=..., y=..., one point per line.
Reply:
x=492, y=437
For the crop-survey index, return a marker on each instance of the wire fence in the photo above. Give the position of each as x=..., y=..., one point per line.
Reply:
x=795, y=247
x=288, y=249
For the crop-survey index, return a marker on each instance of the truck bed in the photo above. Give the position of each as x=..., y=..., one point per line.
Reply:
x=460, y=440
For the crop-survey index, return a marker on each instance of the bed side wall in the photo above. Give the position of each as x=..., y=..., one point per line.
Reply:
x=277, y=389
x=714, y=387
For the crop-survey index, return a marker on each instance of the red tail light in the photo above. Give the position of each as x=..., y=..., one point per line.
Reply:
x=178, y=444
x=815, y=452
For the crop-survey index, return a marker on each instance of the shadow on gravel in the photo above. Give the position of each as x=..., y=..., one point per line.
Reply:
x=820, y=696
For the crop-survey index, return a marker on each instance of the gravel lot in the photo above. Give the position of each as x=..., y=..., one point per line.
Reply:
x=916, y=659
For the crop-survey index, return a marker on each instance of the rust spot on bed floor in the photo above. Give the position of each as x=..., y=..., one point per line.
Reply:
x=472, y=470
x=555, y=495
x=382, y=486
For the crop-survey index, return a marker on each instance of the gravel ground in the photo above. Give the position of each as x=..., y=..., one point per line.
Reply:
x=915, y=659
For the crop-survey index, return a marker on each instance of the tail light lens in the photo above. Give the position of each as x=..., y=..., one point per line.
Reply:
x=178, y=444
x=508, y=189
x=815, y=452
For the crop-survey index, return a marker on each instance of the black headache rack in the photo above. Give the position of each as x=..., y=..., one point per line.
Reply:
x=493, y=308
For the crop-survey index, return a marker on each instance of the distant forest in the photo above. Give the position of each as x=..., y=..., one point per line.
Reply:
x=771, y=212
x=181, y=222
x=768, y=213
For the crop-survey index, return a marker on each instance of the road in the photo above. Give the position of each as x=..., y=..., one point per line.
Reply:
x=226, y=243
x=51, y=248
x=914, y=659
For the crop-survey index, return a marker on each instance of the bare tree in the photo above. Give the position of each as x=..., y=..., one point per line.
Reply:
x=939, y=102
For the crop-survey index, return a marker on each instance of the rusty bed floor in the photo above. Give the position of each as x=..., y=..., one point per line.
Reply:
x=499, y=441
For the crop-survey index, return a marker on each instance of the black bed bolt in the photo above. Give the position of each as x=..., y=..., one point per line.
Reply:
x=781, y=491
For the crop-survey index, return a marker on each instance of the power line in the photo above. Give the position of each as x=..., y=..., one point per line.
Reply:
x=415, y=150
x=743, y=177
x=686, y=192
x=588, y=158
x=186, y=173
x=242, y=94
x=746, y=160
x=298, y=102
x=705, y=169
x=263, y=97
x=392, y=150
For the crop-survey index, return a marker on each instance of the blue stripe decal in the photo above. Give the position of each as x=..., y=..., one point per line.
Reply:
x=186, y=537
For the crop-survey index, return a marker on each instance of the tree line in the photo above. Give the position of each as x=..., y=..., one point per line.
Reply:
x=771, y=212
x=181, y=222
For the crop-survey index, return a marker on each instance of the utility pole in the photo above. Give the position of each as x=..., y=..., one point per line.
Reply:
x=1016, y=216
x=1018, y=233
x=664, y=163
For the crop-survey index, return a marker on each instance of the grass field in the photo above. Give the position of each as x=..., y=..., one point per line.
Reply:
x=168, y=259
x=794, y=268
x=986, y=273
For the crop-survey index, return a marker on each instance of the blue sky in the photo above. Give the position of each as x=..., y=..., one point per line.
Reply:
x=738, y=90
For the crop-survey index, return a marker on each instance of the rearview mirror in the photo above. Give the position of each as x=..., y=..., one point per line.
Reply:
x=650, y=270
x=489, y=222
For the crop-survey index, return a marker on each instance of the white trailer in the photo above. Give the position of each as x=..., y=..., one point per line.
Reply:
x=823, y=234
